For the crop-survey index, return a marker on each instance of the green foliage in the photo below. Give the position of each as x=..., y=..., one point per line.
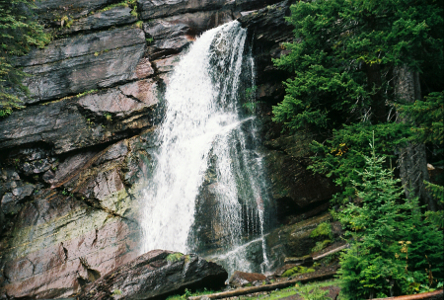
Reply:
x=173, y=257
x=313, y=293
x=427, y=122
x=86, y=93
x=19, y=31
x=188, y=294
x=391, y=243
x=344, y=152
x=320, y=245
x=5, y=112
x=139, y=24
x=437, y=192
x=342, y=55
x=323, y=229
x=297, y=270
x=126, y=3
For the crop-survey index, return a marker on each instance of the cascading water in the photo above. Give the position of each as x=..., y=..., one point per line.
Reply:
x=206, y=144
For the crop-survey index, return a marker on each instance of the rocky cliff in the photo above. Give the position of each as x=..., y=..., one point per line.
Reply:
x=73, y=160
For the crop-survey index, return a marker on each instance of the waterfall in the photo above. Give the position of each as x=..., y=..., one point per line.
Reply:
x=208, y=146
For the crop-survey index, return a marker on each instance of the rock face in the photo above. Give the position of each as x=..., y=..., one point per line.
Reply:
x=292, y=185
x=156, y=275
x=83, y=63
x=72, y=163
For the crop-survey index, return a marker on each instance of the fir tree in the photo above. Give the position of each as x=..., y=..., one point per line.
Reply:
x=393, y=251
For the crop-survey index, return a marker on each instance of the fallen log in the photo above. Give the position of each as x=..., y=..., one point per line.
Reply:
x=267, y=287
x=436, y=295
x=331, y=252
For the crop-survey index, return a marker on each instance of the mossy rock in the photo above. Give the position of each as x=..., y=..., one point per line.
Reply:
x=173, y=257
x=297, y=271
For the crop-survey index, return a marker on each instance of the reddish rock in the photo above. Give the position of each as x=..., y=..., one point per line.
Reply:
x=240, y=279
x=145, y=91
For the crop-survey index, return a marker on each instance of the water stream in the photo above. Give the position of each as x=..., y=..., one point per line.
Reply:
x=208, y=193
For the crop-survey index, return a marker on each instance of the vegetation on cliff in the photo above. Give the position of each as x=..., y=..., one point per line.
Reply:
x=19, y=30
x=364, y=70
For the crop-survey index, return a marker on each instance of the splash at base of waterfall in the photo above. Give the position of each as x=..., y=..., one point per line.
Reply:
x=207, y=144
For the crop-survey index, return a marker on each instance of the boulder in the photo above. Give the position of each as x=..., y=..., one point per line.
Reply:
x=240, y=279
x=155, y=275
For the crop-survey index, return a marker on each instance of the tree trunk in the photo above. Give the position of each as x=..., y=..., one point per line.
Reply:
x=412, y=158
x=374, y=81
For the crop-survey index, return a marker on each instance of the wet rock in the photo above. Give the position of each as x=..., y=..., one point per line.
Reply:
x=240, y=279
x=82, y=63
x=77, y=123
x=156, y=274
x=111, y=102
x=40, y=262
x=248, y=5
x=144, y=68
x=116, y=16
x=172, y=34
x=151, y=9
x=167, y=64
x=146, y=91
x=53, y=10
x=36, y=167
x=267, y=30
x=294, y=240
x=10, y=202
x=287, y=161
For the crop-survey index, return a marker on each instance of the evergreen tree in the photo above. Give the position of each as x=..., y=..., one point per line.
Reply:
x=351, y=61
x=393, y=251
x=19, y=31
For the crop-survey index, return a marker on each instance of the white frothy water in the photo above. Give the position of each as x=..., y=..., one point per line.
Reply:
x=202, y=123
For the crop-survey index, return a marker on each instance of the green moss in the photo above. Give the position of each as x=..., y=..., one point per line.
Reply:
x=126, y=3
x=139, y=24
x=188, y=294
x=323, y=229
x=86, y=93
x=297, y=271
x=320, y=245
x=173, y=257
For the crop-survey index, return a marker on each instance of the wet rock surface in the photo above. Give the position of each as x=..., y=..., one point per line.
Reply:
x=155, y=275
x=83, y=63
x=81, y=122
x=295, y=241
